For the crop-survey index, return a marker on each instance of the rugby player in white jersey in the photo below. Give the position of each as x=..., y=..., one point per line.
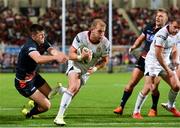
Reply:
x=78, y=71
x=157, y=64
x=178, y=47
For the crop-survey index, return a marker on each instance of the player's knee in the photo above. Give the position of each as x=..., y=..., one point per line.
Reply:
x=73, y=89
x=46, y=106
x=130, y=87
x=176, y=88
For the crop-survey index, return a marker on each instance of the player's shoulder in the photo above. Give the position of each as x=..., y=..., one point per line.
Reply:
x=150, y=26
x=163, y=33
x=30, y=42
x=82, y=34
x=30, y=45
x=105, y=41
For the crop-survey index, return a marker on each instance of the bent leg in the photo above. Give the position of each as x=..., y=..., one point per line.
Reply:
x=42, y=103
x=142, y=95
x=73, y=88
x=45, y=89
x=174, y=83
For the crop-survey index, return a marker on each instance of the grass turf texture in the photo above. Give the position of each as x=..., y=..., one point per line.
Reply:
x=92, y=107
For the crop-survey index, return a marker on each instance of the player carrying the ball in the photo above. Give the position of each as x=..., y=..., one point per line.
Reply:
x=88, y=53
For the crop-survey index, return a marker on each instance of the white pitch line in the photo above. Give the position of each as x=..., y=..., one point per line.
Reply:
x=99, y=124
x=9, y=109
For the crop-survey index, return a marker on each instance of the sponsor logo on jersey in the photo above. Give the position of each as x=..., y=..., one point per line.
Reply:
x=150, y=38
x=162, y=37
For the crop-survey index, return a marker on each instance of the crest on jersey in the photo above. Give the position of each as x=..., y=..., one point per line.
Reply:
x=162, y=37
x=98, y=49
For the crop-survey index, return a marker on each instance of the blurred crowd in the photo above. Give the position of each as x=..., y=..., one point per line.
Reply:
x=14, y=27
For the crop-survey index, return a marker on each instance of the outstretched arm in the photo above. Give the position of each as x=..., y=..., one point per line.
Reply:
x=137, y=43
x=41, y=59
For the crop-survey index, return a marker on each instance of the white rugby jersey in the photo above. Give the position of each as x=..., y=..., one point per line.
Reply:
x=163, y=39
x=178, y=43
x=99, y=50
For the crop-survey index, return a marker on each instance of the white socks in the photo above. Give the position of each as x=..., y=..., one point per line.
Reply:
x=171, y=98
x=139, y=103
x=62, y=90
x=65, y=101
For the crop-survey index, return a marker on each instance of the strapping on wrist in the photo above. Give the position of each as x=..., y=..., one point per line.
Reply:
x=94, y=69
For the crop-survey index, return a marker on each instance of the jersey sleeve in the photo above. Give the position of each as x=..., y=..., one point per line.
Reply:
x=76, y=42
x=31, y=47
x=106, y=49
x=160, y=39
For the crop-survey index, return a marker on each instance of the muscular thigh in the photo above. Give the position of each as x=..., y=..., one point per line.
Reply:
x=39, y=98
x=45, y=89
x=74, y=80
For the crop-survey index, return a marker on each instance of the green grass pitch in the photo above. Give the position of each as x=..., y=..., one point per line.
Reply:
x=92, y=107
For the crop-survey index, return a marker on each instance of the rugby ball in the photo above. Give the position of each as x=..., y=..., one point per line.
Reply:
x=86, y=49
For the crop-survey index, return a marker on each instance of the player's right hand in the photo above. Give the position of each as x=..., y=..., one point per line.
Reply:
x=85, y=54
x=130, y=50
x=61, y=58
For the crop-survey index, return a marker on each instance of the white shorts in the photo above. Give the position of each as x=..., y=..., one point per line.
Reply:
x=152, y=69
x=84, y=77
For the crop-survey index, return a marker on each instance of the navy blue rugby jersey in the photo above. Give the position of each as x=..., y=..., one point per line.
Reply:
x=149, y=32
x=26, y=66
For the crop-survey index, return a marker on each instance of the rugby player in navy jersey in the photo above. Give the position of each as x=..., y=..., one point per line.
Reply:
x=28, y=81
x=138, y=72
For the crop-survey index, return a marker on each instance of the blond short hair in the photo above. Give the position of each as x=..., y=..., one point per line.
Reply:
x=163, y=10
x=97, y=22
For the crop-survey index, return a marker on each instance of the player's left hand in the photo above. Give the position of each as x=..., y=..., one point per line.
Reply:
x=91, y=70
x=131, y=49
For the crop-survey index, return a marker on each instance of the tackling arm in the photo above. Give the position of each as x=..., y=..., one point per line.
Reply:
x=53, y=51
x=41, y=59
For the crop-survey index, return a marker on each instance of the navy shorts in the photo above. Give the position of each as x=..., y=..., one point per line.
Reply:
x=141, y=64
x=27, y=88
